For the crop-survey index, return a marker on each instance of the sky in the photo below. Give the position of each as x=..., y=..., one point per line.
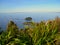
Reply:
x=11, y=6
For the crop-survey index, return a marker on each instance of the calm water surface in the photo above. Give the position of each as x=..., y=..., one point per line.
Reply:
x=18, y=18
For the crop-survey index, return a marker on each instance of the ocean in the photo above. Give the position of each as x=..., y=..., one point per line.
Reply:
x=19, y=18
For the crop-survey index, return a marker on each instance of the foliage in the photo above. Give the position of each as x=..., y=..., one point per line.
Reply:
x=43, y=33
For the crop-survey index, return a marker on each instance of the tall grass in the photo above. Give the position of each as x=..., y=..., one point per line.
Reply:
x=43, y=33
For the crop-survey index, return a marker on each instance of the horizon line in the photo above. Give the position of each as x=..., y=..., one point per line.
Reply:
x=29, y=12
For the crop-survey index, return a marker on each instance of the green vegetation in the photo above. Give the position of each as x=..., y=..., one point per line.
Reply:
x=42, y=33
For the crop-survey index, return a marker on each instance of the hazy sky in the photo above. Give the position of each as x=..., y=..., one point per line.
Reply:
x=9, y=6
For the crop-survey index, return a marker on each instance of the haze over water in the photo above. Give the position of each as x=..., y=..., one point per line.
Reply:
x=19, y=18
x=18, y=10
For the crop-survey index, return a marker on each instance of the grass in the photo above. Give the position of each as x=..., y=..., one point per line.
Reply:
x=42, y=33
